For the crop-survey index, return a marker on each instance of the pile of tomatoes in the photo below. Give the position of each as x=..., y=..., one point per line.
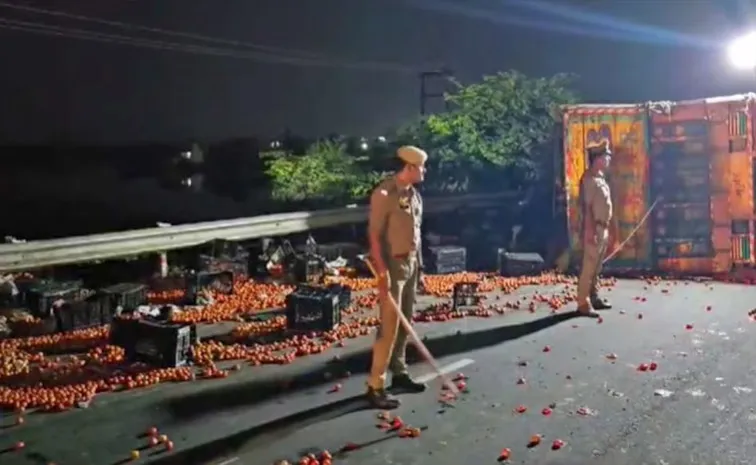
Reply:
x=31, y=376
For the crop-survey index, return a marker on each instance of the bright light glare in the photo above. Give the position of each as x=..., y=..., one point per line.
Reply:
x=742, y=52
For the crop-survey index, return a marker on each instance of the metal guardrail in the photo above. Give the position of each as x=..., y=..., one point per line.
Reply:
x=82, y=249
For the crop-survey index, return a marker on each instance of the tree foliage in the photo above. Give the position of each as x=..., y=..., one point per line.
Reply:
x=326, y=172
x=497, y=126
x=495, y=137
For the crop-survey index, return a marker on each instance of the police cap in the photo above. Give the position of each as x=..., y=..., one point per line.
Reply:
x=412, y=155
x=597, y=151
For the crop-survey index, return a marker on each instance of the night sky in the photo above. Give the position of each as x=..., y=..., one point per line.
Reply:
x=59, y=88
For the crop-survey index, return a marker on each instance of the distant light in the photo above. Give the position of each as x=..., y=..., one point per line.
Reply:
x=381, y=139
x=275, y=144
x=742, y=52
x=187, y=182
x=364, y=146
x=187, y=155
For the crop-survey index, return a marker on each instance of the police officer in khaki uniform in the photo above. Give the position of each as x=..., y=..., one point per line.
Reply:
x=395, y=217
x=596, y=202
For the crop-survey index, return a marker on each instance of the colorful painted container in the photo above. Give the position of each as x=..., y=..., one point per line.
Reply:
x=693, y=162
x=625, y=128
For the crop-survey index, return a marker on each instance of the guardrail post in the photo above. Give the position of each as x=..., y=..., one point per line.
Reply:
x=163, y=255
x=516, y=229
x=163, y=264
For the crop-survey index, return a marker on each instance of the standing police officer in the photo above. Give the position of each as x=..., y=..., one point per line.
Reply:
x=395, y=217
x=596, y=203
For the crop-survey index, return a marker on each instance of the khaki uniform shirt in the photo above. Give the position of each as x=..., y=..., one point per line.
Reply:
x=596, y=202
x=396, y=216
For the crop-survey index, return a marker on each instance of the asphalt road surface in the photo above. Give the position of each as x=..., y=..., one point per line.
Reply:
x=696, y=407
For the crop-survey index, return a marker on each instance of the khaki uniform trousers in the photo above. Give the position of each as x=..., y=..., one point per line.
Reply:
x=389, y=350
x=593, y=258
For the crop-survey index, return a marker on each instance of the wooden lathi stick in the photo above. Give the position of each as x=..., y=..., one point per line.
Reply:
x=424, y=352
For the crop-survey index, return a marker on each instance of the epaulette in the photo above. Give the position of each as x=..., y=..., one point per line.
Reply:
x=387, y=186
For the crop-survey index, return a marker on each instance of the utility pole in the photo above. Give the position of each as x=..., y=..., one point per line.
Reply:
x=425, y=94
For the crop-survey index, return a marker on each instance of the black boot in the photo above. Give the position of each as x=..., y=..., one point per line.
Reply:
x=380, y=399
x=586, y=311
x=600, y=304
x=404, y=383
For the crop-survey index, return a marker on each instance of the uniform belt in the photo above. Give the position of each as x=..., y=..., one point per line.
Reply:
x=603, y=223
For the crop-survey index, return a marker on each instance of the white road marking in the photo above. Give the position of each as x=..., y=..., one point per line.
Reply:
x=229, y=461
x=445, y=370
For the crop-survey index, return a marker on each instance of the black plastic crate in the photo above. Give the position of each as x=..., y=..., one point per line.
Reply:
x=9, y=294
x=239, y=265
x=39, y=298
x=310, y=308
x=346, y=250
x=78, y=314
x=119, y=298
x=167, y=283
x=465, y=295
x=125, y=296
x=161, y=344
x=308, y=269
x=24, y=284
x=123, y=332
x=218, y=282
x=344, y=293
x=446, y=260
x=221, y=248
x=513, y=264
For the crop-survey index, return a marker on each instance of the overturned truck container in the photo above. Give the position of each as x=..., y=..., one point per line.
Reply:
x=690, y=163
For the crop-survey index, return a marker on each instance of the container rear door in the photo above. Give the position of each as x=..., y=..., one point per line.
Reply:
x=680, y=180
x=625, y=129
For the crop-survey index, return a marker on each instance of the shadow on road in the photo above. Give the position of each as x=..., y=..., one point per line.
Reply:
x=261, y=435
x=247, y=394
